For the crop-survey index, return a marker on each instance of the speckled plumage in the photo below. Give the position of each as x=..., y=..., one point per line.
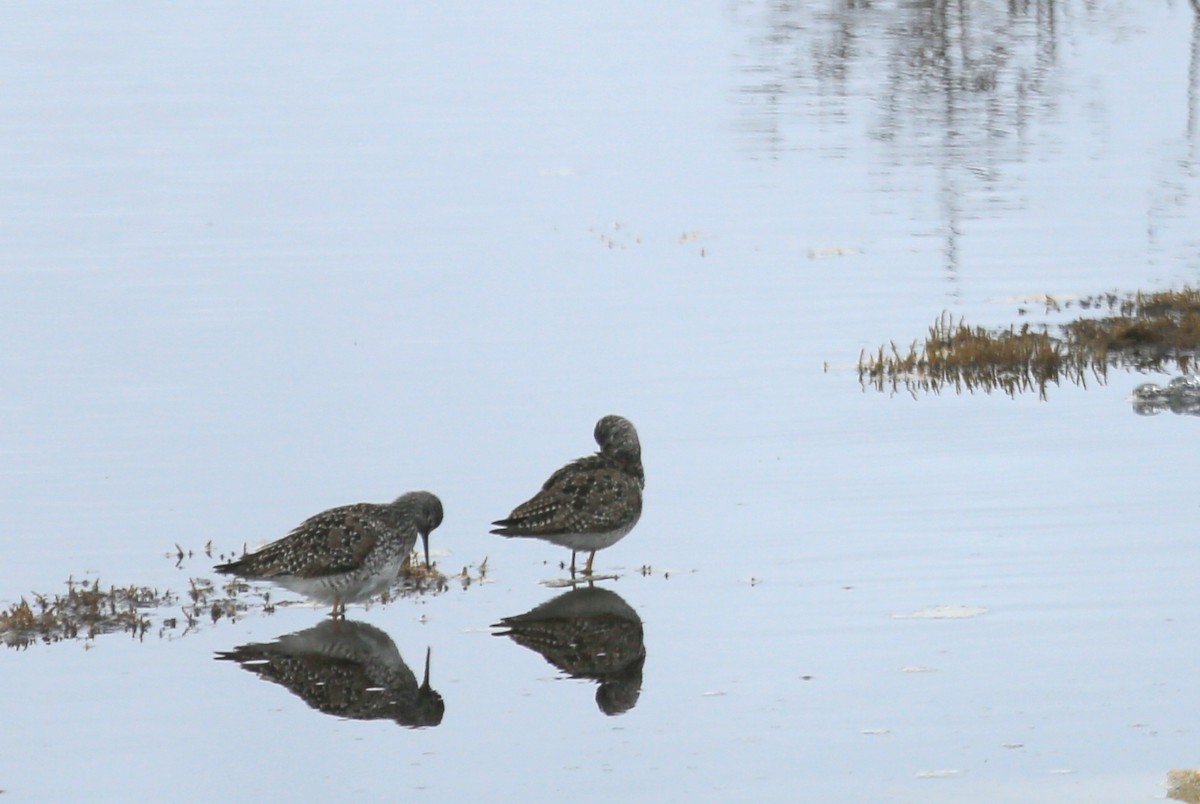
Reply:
x=587, y=633
x=345, y=554
x=591, y=503
x=346, y=669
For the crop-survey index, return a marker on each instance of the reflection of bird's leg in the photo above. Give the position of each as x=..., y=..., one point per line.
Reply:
x=572, y=563
x=337, y=603
x=588, y=569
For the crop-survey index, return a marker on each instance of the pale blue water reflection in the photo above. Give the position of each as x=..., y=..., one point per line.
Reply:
x=263, y=260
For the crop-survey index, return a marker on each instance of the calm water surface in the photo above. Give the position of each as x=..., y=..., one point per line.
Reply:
x=261, y=261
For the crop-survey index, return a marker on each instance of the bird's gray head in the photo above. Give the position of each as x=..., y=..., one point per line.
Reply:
x=616, y=436
x=616, y=697
x=426, y=510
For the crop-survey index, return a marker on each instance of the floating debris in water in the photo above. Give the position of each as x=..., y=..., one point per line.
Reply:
x=943, y=613
x=84, y=612
x=1148, y=332
x=825, y=252
x=647, y=570
x=563, y=583
x=466, y=578
x=417, y=579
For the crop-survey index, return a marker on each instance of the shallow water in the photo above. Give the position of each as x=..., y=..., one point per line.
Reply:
x=264, y=261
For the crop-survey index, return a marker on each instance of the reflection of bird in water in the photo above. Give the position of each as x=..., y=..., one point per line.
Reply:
x=591, y=503
x=346, y=669
x=345, y=554
x=588, y=633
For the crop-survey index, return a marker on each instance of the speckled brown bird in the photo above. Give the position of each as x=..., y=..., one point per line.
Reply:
x=345, y=554
x=591, y=503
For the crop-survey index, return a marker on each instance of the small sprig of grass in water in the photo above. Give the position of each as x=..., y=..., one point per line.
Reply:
x=466, y=577
x=417, y=579
x=1149, y=332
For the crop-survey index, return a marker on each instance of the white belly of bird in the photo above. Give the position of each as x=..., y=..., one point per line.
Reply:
x=349, y=587
x=590, y=541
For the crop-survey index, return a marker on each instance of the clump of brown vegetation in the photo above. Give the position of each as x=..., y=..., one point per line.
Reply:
x=1184, y=785
x=1145, y=331
x=89, y=609
x=1150, y=331
x=84, y=612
